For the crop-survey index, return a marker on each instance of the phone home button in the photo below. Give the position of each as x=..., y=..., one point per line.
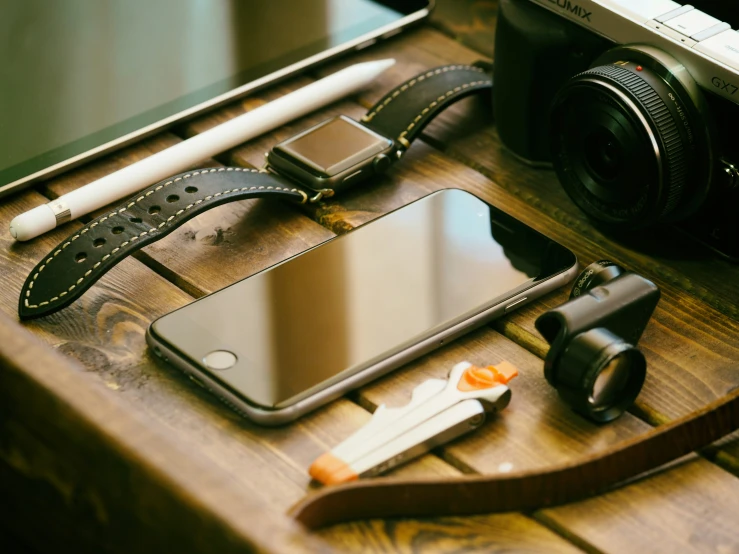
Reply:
x=220, y=359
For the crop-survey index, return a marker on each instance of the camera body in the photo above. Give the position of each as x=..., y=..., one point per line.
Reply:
x=633, y=103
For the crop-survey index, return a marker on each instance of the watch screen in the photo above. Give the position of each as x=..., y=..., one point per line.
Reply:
x=334, y=146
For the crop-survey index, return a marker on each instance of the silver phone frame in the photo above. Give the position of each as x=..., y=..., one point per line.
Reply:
x=359, y=43
x=283, y=415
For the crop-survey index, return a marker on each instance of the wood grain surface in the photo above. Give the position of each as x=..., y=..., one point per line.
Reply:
x=115, y=451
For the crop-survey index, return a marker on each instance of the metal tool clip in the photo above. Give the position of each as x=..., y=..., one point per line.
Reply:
x=439, y=411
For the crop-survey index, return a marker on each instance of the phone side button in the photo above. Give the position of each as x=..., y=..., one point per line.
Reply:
x=365, y=44
x=512, y=305
x=198, y=382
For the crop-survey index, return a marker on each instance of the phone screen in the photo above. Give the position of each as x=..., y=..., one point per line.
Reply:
x=359, y=298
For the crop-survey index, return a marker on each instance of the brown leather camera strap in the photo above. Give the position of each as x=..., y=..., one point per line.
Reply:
x=530, y=490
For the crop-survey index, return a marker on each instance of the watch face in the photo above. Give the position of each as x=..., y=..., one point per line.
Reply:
x=333, y=146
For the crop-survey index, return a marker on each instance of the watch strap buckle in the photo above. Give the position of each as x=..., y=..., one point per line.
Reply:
x=322, y=193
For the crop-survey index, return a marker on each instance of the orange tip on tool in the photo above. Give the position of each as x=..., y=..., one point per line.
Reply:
x=439, y=411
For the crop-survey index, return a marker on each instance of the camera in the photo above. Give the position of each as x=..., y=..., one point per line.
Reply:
x=593, y=361
x=634, y=104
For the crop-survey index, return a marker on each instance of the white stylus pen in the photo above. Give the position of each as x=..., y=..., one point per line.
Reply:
x=156, y=167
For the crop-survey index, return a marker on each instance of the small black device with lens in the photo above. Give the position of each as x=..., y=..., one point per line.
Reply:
x=593, y=361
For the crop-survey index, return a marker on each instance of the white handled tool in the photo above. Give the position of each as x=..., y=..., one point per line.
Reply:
x=438, y=412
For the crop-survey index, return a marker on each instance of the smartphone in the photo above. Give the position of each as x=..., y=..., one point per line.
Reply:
x=305, y=331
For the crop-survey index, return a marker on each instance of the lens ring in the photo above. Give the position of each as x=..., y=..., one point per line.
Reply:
x=620, y=395
x=610, y=120
x=664, y=129
x=669, y=155
x=583, y=362
x=610, y=382
x=594, y=275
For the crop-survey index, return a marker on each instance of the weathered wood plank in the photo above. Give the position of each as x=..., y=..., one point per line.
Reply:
x=270, y=463
x=105, y=332
x=231, y=242
x=538, y=430
x=120, y=486
x=492, y=534
x=689, y=363
x=535, y=422
x=695, y=502
x=471, y=22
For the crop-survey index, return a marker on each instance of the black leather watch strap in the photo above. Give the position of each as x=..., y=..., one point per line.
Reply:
x=81, y=259
x=403, y=113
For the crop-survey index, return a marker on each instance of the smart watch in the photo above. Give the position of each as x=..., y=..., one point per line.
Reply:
x=332, y=155
x=313, y=165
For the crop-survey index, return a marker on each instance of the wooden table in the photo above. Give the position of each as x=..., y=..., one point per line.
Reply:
x=105, y=449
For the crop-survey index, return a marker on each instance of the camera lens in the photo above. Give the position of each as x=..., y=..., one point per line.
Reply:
x=631, y=139
x=603, y=154
x=610, y=382
x=600, y=374
x=596, y=274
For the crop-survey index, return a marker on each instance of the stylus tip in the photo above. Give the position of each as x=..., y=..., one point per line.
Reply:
x=384, y=64
x=32, y=223
x=374, y=67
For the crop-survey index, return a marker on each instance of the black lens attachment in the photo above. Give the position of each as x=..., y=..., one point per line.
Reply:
x=600, y=375
x=593, y=361
x=631, y=139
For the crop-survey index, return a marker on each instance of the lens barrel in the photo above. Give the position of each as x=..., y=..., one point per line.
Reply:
x=631, y=140
x=600, y=375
